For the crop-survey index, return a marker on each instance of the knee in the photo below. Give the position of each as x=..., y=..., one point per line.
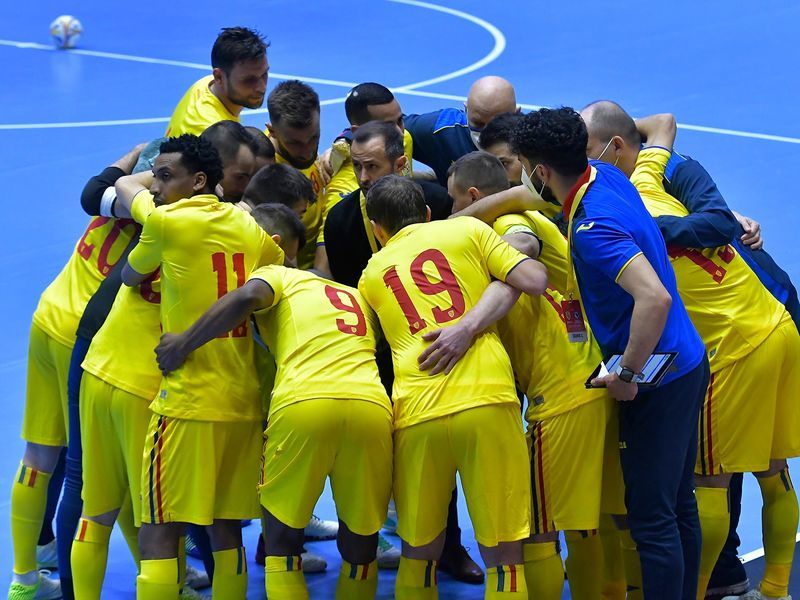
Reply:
x=40, y=457
x=431, y=551
x=280, y=539
x=225, y=534
x=356, y=549
x=775, y=467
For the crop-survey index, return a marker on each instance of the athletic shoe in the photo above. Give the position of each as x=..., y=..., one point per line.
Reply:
x=47, y=556
x=44, y=589
x=735, y=590
x=191, y=548
x=188, y=593
x=388, y=556
x=197, y=579
x=318, y=530
x=390, y=524
x=756, y=595
x=312, y=563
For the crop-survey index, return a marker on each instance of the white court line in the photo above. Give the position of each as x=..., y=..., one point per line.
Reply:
x=746, y=558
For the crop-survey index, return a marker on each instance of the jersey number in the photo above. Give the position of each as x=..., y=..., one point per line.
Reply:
x=344, y=300
x=219, y=263
x=85, y=249
x=447, y=283
x=726, y=253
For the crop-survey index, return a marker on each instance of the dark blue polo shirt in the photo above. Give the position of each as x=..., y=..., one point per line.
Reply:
x=609, y=229
x=440, y=138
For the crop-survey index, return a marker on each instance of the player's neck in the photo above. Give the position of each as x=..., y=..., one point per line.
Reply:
x=232, y=108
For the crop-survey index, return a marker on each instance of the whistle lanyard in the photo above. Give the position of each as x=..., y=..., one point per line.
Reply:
x=373, y=243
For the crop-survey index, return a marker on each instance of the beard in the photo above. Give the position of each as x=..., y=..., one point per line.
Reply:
x=297, y=164
x=548, y=196
x=253, y=102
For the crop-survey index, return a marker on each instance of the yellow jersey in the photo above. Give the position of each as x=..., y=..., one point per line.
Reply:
x=204, y=248
x=426, y=277
x=344, y=180
x=312, y=219
x=134, y=319
x=732, y=311
x=322, y=335
x=198, y=109
x=553, y=253
x=96, y=253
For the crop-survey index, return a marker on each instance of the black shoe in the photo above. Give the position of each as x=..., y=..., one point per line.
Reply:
x=456, y=562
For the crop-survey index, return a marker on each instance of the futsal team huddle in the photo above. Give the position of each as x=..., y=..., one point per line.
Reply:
x=249, y=314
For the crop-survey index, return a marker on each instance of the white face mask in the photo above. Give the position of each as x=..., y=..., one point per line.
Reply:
x=526, y=181
x=476, y=136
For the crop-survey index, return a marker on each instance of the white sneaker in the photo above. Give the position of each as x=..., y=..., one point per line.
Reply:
x=318, y=530
x=312, y=563
x=756, y=595
x=388, y=556
x=47, y=556
x=196, y=579
x=44, y=589
x=735, y=590
x=188, y=593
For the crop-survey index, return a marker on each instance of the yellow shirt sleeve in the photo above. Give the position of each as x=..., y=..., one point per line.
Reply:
x=514, y=223
x=340, y=185
x=499, y=255
x=650, y=168
x=146, y=255
x=141, y=206
x=272, y=275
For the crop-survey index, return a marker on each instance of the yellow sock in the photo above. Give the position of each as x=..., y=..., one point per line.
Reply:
x=129, y=531
x=713, y=507
x=544, y=571
x=613, y=567
x=633, y=567
x=28, y=504
x=283, y=578
x=89, y=557
x=584, y=564
x=506, y=581
x=230, y=574
x=416, y=580
x=357, y=582
x=158, y=580
x=778, y=524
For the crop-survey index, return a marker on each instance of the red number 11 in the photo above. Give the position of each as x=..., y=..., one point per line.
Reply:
x=219, y=264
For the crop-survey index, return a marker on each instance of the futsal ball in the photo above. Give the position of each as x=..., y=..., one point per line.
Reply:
x=66, y=31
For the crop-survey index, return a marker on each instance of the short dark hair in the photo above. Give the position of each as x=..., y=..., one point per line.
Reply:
x=480, y=170
x=361, y=97
x=262, y=146
x=227, y=137
x=499, y=129
x=293, y=102
x=237, y=44
x=609, y=119
x=394, y=202
x=278, y=183
x=280, y=219
x=197, y=155
x=556, y=137
x=388, y=132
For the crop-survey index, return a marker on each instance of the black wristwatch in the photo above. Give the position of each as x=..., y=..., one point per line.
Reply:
x=625, y=374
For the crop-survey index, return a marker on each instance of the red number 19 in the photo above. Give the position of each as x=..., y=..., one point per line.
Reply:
x=447, y=283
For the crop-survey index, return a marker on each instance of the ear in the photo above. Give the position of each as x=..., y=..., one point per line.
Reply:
x=219, y=76
x=276, y=238
x=427, y=213
x=270, y=130
x=377, y=230
x=519, y=110
x=473, y=192
x=465, y=106
x=618, y=144
x=200, y=181
x=400, y=164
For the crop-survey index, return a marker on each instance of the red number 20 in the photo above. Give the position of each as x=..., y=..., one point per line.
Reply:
x=447, y=283
x=336, y=299
x=219, y=263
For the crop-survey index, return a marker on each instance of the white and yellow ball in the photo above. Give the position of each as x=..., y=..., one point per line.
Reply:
x=66, y=31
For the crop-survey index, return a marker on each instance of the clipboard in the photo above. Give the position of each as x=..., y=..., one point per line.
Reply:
x=653, y=371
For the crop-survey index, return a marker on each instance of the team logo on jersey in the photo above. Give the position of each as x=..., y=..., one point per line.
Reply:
x=584, y=227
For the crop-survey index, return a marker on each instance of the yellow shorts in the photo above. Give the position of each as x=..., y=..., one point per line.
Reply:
x=349, y=441
x=199, y=471
x=751, y=411
x=486, y=446
x=113, y=428
x=612, y=499
x=46, y=417
x=568, y=467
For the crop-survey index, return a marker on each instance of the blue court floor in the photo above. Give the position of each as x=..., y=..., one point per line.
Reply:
x=726, y=69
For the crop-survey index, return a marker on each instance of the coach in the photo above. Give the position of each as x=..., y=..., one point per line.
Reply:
x=627, y=289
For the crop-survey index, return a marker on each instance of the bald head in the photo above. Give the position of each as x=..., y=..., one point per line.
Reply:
x=489, y=97
x=605, y=119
